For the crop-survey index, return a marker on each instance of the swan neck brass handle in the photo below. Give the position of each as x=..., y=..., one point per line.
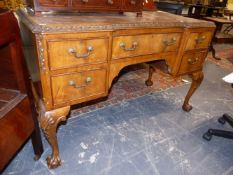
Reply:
x=170, y=42
x=73, y=83
x=86, y=55
x=132, y=48
x=133, y=2
x=88, y=80
x=192, y=61
x=110, y=2
x=200, y=39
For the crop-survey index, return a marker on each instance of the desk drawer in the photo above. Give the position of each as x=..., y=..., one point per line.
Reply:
x=192, y=61
x=198, y=40
x=78, y=85
x=70, y=53
x=92, y=4
x=145, y=44
x=53, y=3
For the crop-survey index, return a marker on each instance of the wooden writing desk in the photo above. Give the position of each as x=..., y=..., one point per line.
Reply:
x=77, y=56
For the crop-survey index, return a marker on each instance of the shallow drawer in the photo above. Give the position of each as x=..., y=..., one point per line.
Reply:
x=80, y=85
x=128, y=46
x=192, y=61
x=54, y=3
x=92, y=4
x=198, y=40
x=70, y=53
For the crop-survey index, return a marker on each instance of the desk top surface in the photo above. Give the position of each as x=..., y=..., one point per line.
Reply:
x=77, y=22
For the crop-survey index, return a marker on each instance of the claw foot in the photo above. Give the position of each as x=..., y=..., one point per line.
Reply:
x=149, y=82
x=187, y=107
x=53, y=162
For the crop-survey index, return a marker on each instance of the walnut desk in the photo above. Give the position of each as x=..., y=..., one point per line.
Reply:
x=77, y=56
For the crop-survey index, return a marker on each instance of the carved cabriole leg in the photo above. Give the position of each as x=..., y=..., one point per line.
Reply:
x=197, y=78
x=49, y=121
x=149, y=81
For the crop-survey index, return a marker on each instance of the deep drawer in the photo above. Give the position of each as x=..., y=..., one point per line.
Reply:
x=145, y=44
x=70, y=53
x=192, y=61
x=78, y=86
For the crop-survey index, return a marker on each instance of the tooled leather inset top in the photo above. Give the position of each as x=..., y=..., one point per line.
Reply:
x=77, y=22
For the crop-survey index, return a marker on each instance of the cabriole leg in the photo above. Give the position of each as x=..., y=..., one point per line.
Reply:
x=49, y=122
x=197, y=78
x=149, y=81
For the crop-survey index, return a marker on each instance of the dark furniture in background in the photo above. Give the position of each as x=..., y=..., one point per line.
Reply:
x=174, y=8
x=17, y=112
x=200, y=11
x=214, y=8
x=221, y=36
x=221, y=133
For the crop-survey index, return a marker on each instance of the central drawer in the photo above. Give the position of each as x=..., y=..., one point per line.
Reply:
x=134, y=5
x=145, y=44
x=73, y=52
x=54, y=3
x=92, y=4
x=78, y=86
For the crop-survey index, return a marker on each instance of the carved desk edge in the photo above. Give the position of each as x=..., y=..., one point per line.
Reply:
x=49, y=120
x=156, y=19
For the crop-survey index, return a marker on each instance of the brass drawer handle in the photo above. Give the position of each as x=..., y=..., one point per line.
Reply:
x=85, y=1
x=133, y=2
x=74, y=52
x=110, y=2
x=200, y=39
x=88, y=80
x=192, y=61
x=73, y=83
x=133, y=47
x=170, y=42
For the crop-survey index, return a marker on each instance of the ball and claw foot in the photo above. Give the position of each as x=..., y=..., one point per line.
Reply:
x=187, y=107
x=221, y=120
x=149, y=82
x=207, y=136
x=37, y=157
x=53, y=162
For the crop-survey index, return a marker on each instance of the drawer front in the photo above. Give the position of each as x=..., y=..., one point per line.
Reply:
x=78, y=86
x=132, y=5
x=128, y=46
x=53, y=3
x=192, y=61
x=70, y=53
x=92, y=4
x=198, y=40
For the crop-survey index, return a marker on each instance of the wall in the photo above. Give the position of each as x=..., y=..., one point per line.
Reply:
x=230, y=4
